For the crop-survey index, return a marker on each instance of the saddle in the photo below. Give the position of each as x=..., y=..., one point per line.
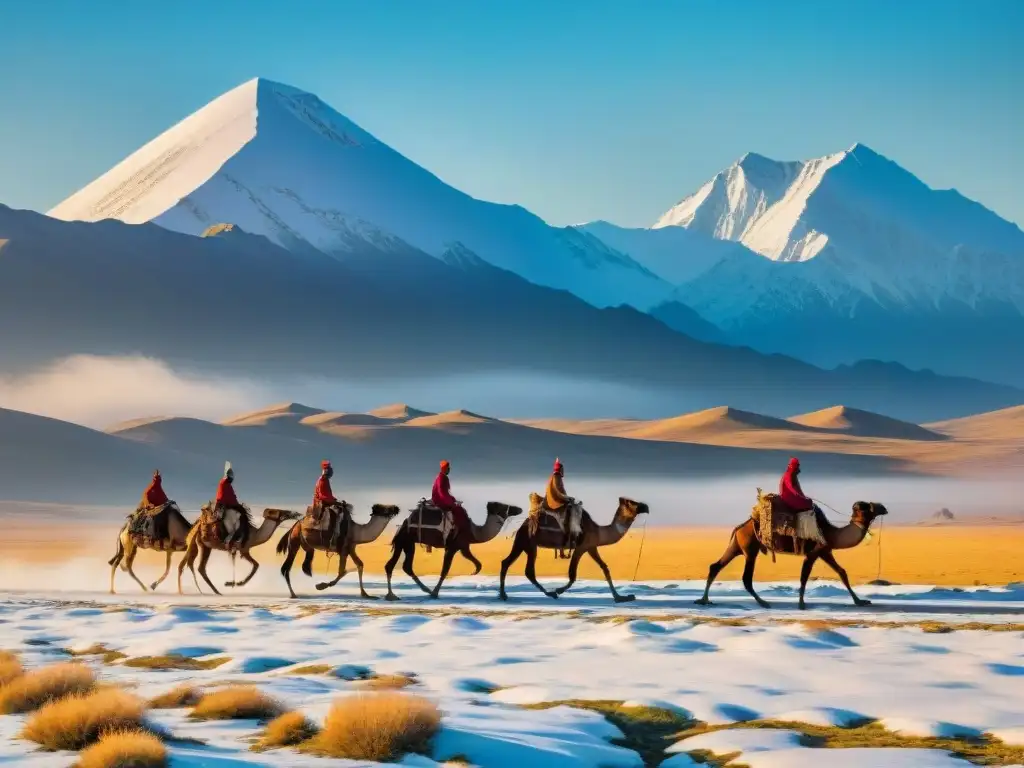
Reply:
x=219, y=524
x=329, y=520
x=568, y=521
x=148, y=526
x=778, y=527
x=427, y=517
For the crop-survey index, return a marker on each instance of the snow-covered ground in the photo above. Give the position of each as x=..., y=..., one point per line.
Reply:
x=482, y=660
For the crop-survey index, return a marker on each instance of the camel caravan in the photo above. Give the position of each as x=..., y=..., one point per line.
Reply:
x=785, y=523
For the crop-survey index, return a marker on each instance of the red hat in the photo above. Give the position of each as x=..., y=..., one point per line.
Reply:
x=558, y=465
x=445, y=465
x=794, y=463
x=325, y=464
x=156, y=473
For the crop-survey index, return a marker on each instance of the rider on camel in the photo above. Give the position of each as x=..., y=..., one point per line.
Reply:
x=555, y=495
x=441, y=497
x=324, y=499
x=226, y=499
x=790, y=492
x=154, y=497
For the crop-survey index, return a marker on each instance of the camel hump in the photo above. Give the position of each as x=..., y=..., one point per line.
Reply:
x=536, y=503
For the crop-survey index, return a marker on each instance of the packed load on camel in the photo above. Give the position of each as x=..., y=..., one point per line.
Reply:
x=148, y=524
x=556, y=510
x=226, y=519
x=786, y=521
x=328, y=515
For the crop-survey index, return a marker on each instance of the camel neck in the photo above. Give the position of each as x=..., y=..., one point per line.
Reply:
x=363, y=533
x=487, y=531
x=620, y=525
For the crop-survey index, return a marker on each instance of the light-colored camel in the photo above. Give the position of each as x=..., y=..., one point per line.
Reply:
x=128, y=547
x=409, y=535
x=593, y=536
x=199, y=546
x=344, y=545
x=744, y=541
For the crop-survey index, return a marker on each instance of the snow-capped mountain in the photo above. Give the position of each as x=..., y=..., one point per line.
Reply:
x=851, y=256
x=278, y=162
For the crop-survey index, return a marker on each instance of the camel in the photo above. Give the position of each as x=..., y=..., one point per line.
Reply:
x=202, y=541
x=592, y=537
x=744, y=541
x=408, y=536
x=128, y=546
x=354, y=534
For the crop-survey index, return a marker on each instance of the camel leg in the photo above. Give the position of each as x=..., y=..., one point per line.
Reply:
x=129, y=559
x=307, y=561
x=574, y=564
x=731, y=552
x=805, y=574
x=531, y=571
x=255, y=567
x=204, y=558
x=518, y=547
x=167, y=570
x=464, y=551
x=341, y=574
x=748, y=576
x=410, y=554
x=115, y=561
x=289, y=561
x=830, y=560
x=596, y=557
x=389, y=568
x=449, y=555
x=359, y=571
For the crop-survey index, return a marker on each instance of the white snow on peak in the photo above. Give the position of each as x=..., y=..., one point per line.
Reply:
x=279, y=162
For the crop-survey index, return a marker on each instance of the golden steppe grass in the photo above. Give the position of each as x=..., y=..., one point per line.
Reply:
x=10, y=667
x=954, y=555
x=124, y=749
x=376, y=726
x=237, y=702
x=74, y=722
x=35, y=689
x=287, y=730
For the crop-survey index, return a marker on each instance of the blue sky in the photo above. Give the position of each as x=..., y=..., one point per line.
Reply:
x=576, y=110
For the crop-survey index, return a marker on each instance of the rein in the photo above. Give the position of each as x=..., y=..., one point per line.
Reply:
x=643, y=536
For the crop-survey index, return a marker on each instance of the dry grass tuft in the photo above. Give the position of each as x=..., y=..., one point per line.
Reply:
x=376, y=726
x=287, y=730
x=183, y=695
x=124, y=749
x=174, y=661
x=34, y=689
x=239, y=702
x=10, y=667
x=388, y=682
x=79, y=720
x=108, y=655
x=310, y=669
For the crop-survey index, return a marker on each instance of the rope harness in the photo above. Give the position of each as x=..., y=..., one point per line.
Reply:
x=643, y=536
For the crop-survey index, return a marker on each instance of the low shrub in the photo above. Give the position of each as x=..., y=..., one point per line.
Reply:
x=376, y=726
x=183, y=695
x=34, y=689
x=287, y=730
x=10, y=667
x=239, y=702
x=124, y=749
x=79, y=720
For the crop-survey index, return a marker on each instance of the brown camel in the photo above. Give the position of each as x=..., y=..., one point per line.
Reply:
x=345, y=546
x=592, y=537
x=409, y=535
x=128, y=546
x=744, y=541
x=202, y=540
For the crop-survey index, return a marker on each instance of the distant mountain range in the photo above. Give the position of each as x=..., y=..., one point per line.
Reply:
x=330, y=254
x=237, y=305
x=842, y=258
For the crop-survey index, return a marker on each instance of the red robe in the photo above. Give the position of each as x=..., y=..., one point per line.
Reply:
x=441, y=496
x=226, y=494
x=154, y=495
x=791, y=494
x=322, y=494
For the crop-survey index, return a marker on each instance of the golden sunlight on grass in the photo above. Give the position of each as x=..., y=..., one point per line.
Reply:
x=376, y=726
x=183, y=695
x=239, y=702
x=10, y=667
x=124, y=749
x=174, y=661
x=287, y=730
x=79, y=720
x=387, y=682
x=41, y=686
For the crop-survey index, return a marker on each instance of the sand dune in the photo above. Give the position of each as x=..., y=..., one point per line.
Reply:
x=264, y=416
x=398, y=412
x=854, y=421
x=1005, y=424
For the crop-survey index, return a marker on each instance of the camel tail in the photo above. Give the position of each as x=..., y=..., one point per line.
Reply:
x=394, y=539
x=120, y=553
x=282, y=545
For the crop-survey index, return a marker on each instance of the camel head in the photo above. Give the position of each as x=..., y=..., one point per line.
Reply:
x=630, y=509
x=384, y=510
x=865, y=512
x=503, y=510
x=280, y=515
